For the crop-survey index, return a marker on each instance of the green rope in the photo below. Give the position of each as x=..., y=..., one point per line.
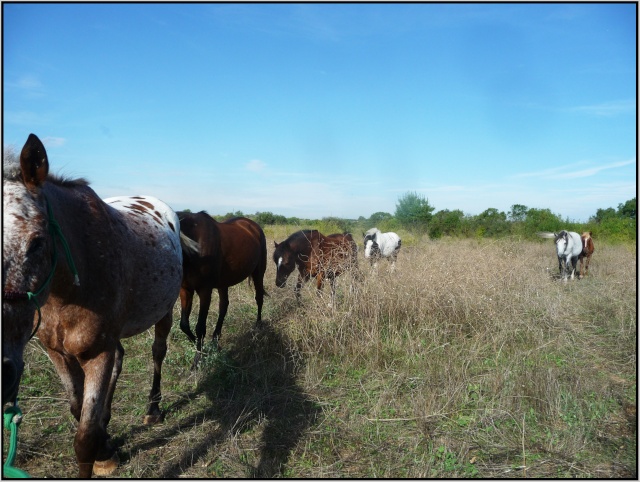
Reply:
x=56, y=230
x=12, y=418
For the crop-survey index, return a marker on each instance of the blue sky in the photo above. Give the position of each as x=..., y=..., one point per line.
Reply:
x=315, y=110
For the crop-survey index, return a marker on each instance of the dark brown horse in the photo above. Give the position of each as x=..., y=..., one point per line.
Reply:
x=83, y=273
x=587, y=250
x=315, y=255
x=230, y=252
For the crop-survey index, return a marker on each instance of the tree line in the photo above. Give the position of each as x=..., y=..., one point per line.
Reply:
x=415, y=214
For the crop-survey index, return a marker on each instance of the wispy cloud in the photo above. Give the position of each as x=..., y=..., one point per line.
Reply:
x=572, y=171
x=606, y=109
x=29, y=85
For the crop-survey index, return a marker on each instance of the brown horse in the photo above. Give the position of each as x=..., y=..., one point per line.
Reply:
x=587, y=250
x=121, y=276
x=230, y=252
x=315, y=255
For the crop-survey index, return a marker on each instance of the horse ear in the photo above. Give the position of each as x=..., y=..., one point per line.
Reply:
x=34, y=162
x=274, y=243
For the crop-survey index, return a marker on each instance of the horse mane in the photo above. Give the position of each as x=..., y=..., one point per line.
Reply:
x=64, y=181
x=302, y=234
x=11, y=171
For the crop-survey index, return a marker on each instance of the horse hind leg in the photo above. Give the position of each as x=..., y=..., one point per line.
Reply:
x=186, y=304
x=258, y=284
x=117, y=369
x=201, y=325
x=223, y=306
x=158, y=350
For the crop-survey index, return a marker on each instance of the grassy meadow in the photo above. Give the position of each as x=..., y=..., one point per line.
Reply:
x=471, y=359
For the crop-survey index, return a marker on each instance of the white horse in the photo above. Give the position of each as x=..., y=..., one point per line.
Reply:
x=378, y=245
x=568, y=249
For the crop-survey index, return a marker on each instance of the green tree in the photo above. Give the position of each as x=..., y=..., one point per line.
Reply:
x=603, y=214
x=491, y=222
x=628, y=209
x=518, y=213
x=414, y=211
x=378, y=217
x=541, y=220
x=446, y=223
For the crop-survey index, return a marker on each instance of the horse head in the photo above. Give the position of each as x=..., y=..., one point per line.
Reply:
x=27, y=250
x=561, y=239
x=285, y=261
x=372, y=250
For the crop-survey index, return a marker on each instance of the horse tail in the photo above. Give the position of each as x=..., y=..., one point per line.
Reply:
x=189, y=246
x=262, y=265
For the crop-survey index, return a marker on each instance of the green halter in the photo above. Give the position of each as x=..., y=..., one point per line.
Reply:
x=56, y=232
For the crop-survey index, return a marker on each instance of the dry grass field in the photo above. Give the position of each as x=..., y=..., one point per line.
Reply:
x=471, y=359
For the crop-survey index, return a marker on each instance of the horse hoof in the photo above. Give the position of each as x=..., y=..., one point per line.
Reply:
x=153, y=419
x=106, y=467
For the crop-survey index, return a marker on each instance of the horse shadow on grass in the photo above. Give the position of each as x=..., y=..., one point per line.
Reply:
x=253, y=382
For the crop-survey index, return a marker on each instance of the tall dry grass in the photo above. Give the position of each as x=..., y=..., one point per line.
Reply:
x=470, y=359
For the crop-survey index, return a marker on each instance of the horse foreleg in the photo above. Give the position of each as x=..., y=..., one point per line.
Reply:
x=574, y=265
x=301, y=279
x=91, y=439
x=586, y=269
x=186, y=304
x=332, y=284
x=158, y=350
x=223, y=305
x=584, y=264
x=72, y=378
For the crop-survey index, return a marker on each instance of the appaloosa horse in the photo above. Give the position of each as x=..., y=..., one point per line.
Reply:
x=84, y=273
x=315, y=255
x=230, y=252
x=587, y=250
x=381, y=245
x=568, y=249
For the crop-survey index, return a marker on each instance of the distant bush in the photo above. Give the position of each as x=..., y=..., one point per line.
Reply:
x=414, y=216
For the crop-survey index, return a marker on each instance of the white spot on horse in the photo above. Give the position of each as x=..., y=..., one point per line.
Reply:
x=279, y=263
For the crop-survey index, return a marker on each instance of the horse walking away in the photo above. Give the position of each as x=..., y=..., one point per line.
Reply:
x=587, y=250
x=568, y=248
x=315, y=255
x=230, y=252
x=379, y=245
x=122, y=276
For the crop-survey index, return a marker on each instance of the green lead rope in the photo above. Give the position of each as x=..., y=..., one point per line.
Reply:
x=12, y=418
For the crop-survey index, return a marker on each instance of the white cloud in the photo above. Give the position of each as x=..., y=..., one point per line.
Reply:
x=54, y=141
x=255, y=165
